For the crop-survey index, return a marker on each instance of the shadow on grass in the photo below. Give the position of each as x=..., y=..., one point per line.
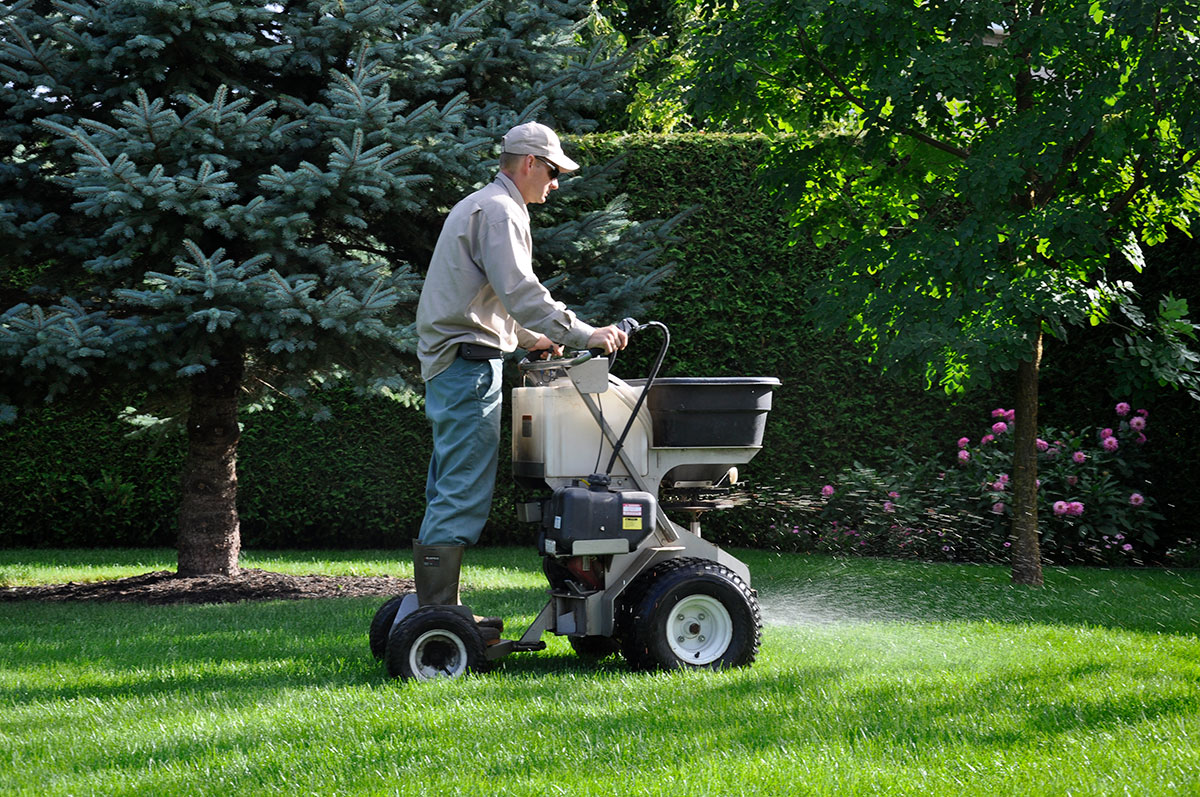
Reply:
x=234, y=660
x=104, y=650
x=245, y=650
x=756, y=711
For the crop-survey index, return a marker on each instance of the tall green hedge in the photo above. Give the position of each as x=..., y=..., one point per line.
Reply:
x=734, y=305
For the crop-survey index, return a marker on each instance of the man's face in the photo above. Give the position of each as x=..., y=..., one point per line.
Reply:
x=539, y=178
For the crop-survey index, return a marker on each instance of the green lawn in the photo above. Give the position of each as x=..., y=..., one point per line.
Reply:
x=875, y=677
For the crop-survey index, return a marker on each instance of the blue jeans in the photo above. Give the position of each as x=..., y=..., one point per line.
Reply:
x=463, y=404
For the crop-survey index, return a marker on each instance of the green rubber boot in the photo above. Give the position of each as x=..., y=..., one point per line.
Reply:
x=436, y=570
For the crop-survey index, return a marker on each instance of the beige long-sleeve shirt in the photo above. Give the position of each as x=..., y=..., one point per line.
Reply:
x=481, y=287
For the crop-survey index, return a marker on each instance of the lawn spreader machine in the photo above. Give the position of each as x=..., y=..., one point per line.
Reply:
x=623, y=577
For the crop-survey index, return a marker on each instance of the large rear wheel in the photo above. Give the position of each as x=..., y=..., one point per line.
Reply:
x=630, y=602
x=696, y=614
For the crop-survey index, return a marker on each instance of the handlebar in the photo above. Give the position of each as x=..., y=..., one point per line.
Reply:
x=626, y=325
x=629, y=326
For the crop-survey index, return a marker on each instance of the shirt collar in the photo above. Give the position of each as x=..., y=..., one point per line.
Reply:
x=506, y=182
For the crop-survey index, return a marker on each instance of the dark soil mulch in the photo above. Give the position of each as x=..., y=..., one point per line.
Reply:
x=165, y=587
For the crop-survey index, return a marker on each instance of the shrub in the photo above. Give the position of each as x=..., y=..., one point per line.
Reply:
x=1093, y=503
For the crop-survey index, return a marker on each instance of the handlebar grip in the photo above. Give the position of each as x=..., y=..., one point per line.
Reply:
x=628, y=325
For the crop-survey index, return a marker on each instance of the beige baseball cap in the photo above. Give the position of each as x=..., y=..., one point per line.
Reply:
x=532, y=138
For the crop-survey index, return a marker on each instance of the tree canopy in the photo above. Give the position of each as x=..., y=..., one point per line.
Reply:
x=988, y=170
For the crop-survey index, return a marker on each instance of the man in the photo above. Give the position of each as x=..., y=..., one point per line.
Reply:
x=480, y=300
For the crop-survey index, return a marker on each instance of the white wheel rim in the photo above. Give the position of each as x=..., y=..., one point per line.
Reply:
x=699, y=630
x=437, y=654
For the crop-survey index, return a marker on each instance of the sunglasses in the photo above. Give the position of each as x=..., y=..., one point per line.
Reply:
x=554, y=172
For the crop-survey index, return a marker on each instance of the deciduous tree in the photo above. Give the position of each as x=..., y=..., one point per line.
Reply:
x=989, y=170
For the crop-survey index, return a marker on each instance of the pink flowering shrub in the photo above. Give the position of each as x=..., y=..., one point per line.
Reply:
x=1092, y=504
x=1093, y=507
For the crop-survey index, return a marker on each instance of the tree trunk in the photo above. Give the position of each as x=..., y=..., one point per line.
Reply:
x=209, y=536
x=1027, y=554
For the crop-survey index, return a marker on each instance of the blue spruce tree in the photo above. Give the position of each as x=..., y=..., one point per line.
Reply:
x=221, y=204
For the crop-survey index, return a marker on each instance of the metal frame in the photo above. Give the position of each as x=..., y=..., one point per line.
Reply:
x=593, y=613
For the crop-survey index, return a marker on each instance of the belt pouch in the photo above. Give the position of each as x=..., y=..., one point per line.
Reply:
x=475, y=351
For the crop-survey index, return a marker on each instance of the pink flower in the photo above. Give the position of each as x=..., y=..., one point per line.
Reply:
x=963, y=442
x=1075, y=508
x=1126, y=547
x=1052, y=452
x=998, y=412
x=1004, y=478
x=1042, y=445
x=1105, y=433
x=1137, y=424
x=999, y=427
x=1137, y=499
x=1072, y=480
x=998, y=486
x=998, y=508
x=964, y=455
x=1122, y=409
x=893, y=494
x=1110, y=444
x=1141, y=439
x=1010, y=415
x=1079, y=457
x=987, y=438
x=827, y=490
x=888, y=506
x=1143, y=413
x=1061, y=507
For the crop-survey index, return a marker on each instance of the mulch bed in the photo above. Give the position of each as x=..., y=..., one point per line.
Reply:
x=165, y=587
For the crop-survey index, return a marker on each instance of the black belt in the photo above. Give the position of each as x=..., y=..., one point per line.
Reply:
x=476, y=351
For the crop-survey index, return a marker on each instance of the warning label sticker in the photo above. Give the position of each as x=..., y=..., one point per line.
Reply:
x=631, y=510
x=632, y=517
x=631, y=523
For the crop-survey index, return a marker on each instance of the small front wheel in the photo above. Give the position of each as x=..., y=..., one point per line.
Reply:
x=697, y=615
x=434, y=642
x=381, y=625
